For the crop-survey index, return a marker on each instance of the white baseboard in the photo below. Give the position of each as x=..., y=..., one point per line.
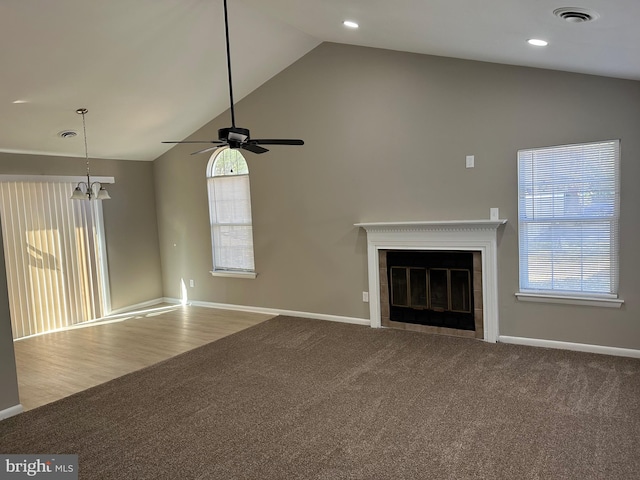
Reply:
x=275, y=311
x=533, y=342
x=115, y=314
x=137, y=306
x=11, y=411
x=175, y=301
x=580, y=347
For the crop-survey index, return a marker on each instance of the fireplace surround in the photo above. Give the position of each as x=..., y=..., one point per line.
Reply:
x=455, y=235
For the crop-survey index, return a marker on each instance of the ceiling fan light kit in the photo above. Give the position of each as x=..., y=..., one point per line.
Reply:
x=237, y=137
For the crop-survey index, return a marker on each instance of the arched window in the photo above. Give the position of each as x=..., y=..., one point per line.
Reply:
x=230, y=213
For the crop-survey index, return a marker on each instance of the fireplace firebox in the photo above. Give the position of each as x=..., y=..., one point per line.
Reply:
x=431, y=288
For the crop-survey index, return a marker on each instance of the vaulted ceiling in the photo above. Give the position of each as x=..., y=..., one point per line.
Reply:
x=154, y=70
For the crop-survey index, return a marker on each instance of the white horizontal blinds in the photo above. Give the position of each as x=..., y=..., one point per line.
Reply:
x=230, y=212
x=568, y=211
x=50, y=256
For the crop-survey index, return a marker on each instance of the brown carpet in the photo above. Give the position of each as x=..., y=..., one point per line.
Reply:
x=294, y=398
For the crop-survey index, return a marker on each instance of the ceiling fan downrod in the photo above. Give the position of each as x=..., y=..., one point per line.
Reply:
x=226, y=32
x=237, y=137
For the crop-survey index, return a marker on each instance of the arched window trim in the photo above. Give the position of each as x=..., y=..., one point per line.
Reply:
x=230, y=215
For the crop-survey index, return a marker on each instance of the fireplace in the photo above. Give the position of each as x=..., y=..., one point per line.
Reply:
x=413, y=275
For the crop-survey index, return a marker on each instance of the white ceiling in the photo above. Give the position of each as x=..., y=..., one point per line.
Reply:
x=154, y=70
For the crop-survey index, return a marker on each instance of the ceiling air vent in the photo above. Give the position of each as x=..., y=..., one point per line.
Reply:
x=67, y=134
x=575, y=14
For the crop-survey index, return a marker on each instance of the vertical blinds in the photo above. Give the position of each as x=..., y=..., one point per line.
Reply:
x=568, y=216
x=53, y=256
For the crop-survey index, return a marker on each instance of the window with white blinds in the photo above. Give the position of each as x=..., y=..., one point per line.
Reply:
x=568, y=217
x=230, y=212
x=54, y=256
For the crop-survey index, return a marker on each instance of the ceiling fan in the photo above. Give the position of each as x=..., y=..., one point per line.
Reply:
x=237, y=137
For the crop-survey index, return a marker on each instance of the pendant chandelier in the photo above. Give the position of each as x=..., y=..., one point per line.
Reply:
x=88, y=190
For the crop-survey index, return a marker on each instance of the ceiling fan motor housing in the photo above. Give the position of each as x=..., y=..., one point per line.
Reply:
x=233, y=134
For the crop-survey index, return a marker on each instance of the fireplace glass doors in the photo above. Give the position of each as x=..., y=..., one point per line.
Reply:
x=431, y=288
x=438, y=289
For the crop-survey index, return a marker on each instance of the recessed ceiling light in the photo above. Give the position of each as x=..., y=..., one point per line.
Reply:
x=350, y=24
x=19, y=101
x=537, y=42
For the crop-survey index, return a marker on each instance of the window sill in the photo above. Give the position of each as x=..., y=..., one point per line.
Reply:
x=231, y=274
x=570, y=300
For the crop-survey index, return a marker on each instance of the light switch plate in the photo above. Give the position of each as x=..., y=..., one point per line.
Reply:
x=470, y=161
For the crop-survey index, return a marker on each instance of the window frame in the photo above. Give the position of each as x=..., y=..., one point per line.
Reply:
x=570, y=296
x=233, y=271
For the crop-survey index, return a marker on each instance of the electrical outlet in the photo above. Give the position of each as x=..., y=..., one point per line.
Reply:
x=365, y=297
x=192, y=283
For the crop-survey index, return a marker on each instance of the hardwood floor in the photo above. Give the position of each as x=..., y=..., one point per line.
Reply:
x=58, y=364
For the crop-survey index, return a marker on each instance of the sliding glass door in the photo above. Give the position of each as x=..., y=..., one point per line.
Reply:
x=54, y=254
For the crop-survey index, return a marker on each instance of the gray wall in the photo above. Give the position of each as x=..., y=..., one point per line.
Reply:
x=386, y=137
x=8, y=379
x=131, y=228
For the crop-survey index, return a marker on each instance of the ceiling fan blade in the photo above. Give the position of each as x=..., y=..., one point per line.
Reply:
x=276, y=141
x=195, y=141
x=208, y=149
x=252, y=147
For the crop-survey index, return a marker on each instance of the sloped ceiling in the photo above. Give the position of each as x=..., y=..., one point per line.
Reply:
x=154, y=70
x=147, y=71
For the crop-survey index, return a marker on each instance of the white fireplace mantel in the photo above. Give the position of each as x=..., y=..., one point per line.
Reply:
x=467, y=235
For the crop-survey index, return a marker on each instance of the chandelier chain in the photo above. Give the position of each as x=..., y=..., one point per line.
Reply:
x=83, y=112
